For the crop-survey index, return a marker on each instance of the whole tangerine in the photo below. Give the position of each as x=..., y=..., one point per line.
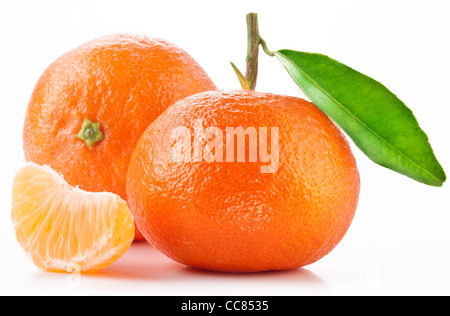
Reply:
x=215, y=207
x=90, y=106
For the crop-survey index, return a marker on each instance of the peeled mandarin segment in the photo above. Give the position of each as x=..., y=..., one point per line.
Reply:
x=66, y=229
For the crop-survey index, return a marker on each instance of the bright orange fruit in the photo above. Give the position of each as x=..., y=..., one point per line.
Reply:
x=231, y=216
x=91, y=105
x=66, y=229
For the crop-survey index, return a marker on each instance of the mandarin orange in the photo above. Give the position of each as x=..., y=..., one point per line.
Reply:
x=91, y=105
x=211, y=206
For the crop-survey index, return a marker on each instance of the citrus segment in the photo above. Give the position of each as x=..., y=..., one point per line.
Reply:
x=65, y=229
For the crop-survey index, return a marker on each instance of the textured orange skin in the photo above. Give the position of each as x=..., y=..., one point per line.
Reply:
x=122, y=81
x=228, y=216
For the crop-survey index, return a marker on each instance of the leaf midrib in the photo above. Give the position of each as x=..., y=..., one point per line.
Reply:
x=359, y=120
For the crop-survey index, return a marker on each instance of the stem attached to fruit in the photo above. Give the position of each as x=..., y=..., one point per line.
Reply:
x=254, y=40
x=90, y=132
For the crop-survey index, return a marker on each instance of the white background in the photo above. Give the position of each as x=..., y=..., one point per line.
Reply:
x=399, y=242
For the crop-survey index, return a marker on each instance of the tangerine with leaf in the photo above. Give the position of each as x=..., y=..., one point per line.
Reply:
x=227, y=215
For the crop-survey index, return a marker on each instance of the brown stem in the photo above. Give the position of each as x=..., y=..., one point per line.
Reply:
x=251, y=73
x=254, y=40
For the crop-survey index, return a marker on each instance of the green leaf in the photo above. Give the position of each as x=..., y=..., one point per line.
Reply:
x=373, y=117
